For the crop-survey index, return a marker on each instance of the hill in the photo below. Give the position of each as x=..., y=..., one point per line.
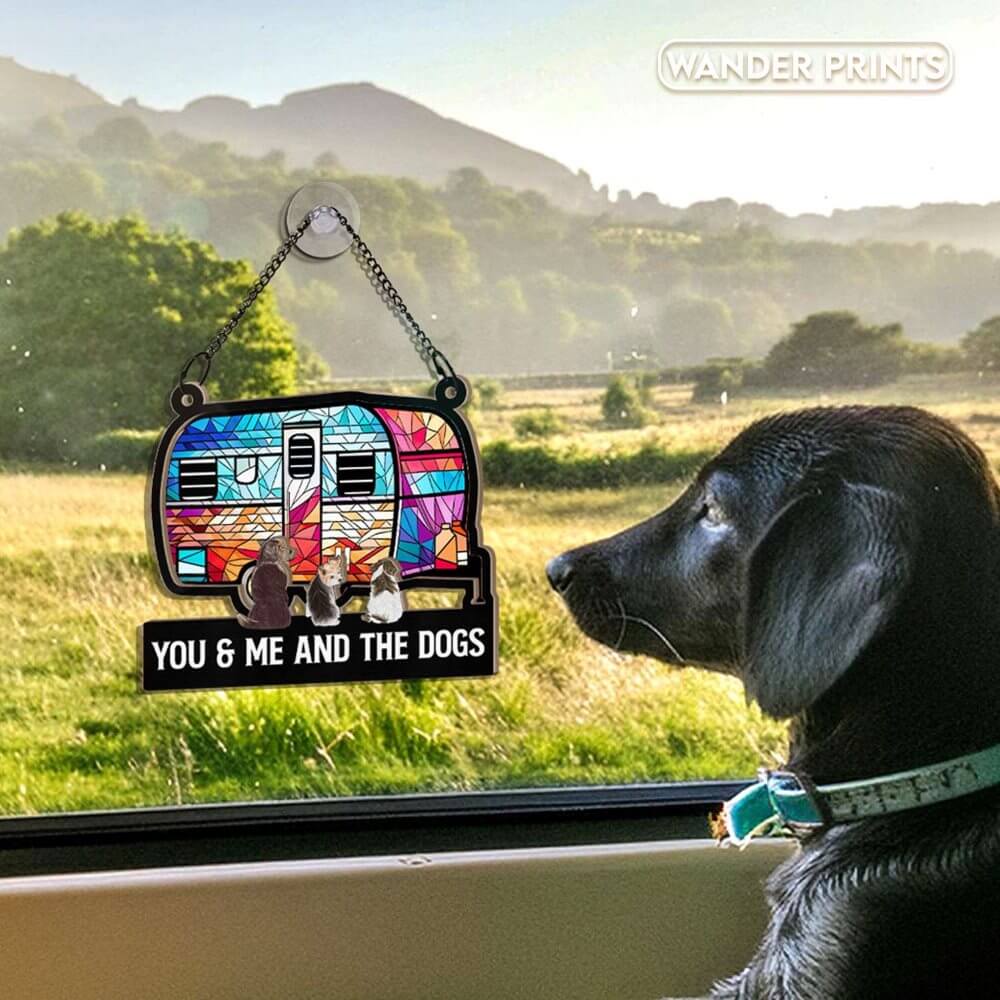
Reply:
x=509, y=279
x=369, y=130
x=377, y=132
x=27, y=94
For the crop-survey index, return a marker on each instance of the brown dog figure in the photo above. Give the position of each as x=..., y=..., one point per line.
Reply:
x=270, y=586
x=386, y=603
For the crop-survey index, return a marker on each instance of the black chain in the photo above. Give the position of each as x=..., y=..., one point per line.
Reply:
x=368, y=263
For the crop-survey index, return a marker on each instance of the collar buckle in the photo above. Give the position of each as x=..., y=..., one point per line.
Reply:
x=797, y=801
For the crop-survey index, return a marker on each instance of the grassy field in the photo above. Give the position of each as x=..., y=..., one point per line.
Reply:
x=77, y=580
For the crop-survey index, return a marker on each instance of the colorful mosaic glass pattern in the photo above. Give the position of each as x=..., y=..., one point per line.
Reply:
x=345, y=428
x=425, y=475
x=230, y=536
x=420, y=520
x=191, y=563
x=363, y=529
x=416, y=430
x=265, y=486
x=415, y=512
x=302, y=526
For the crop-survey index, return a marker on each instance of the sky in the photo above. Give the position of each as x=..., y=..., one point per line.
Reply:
x=576, y=81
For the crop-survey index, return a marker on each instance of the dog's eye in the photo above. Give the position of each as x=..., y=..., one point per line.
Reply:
x=710, y=513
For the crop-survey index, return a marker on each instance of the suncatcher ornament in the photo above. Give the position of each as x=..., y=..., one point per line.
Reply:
x=316, y=516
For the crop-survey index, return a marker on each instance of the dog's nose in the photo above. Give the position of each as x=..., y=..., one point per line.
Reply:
x=559, y=570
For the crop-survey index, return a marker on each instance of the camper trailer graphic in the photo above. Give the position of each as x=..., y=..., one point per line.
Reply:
x=373, y=476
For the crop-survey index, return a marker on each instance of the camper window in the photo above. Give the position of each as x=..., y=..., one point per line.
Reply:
x=301, y=456
x=245, y=469
x=356, y=474
x=198, y=479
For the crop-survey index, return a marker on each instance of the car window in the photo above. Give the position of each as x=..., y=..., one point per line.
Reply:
x=614, y=343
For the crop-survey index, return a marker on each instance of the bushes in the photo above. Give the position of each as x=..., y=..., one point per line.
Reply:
x=982, y=345
x=538, y=423
x=715, y=378
x=487, y=392
x=935, y=359
x=729, y=375
x=836, y=350
x=119, y=451
x=831, y=349
x=541, y=467
x=624, y=401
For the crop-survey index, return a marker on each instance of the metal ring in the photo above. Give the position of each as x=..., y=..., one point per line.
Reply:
x=451, y=392
x=187, y=397
x=206, y=367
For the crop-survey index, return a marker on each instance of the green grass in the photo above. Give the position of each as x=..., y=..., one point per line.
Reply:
x=75, y=734
x=78, y=579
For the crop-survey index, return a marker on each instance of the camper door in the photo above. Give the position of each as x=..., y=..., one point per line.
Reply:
x=303, y=481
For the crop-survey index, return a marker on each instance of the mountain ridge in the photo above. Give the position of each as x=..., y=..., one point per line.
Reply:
x=377, y=131
x=369, y=129
x=28, y=94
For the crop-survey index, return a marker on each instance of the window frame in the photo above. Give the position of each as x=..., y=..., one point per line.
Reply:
x=358, y=826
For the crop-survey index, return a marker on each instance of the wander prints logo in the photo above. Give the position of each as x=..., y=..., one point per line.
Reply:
x=804, y=66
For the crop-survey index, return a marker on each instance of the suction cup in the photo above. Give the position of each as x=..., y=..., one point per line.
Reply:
x=325, y=237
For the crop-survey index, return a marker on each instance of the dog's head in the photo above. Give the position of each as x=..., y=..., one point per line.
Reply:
x=333, y=572
x=387, y=569
x=809, y=538
x=276, y=549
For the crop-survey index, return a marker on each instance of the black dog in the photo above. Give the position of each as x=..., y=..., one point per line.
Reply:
x=845, y=564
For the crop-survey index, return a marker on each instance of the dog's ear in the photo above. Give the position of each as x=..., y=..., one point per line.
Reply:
x=822, y=582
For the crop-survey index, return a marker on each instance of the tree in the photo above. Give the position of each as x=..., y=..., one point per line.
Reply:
x=211, y=161
x=982, y=345
x=836, y=349
x=52, y=131
x=469, y=188
x=120, y=139
x=624, y=401
x=97, y=319
x=34, y=189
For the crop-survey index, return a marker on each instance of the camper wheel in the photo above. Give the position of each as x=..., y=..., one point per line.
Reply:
x=242, y=599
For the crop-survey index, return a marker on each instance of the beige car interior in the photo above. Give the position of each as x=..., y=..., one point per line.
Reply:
x=637, y=920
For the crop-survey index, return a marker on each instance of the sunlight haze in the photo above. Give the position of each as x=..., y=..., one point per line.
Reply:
x=574, y=81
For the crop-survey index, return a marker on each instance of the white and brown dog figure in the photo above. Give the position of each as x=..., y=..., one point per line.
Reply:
x=323, y=596
x=386, y=603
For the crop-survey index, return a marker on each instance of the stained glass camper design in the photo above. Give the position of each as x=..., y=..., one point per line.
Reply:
x=374, y=476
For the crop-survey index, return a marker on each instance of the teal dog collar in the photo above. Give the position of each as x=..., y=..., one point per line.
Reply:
x=783, y=800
